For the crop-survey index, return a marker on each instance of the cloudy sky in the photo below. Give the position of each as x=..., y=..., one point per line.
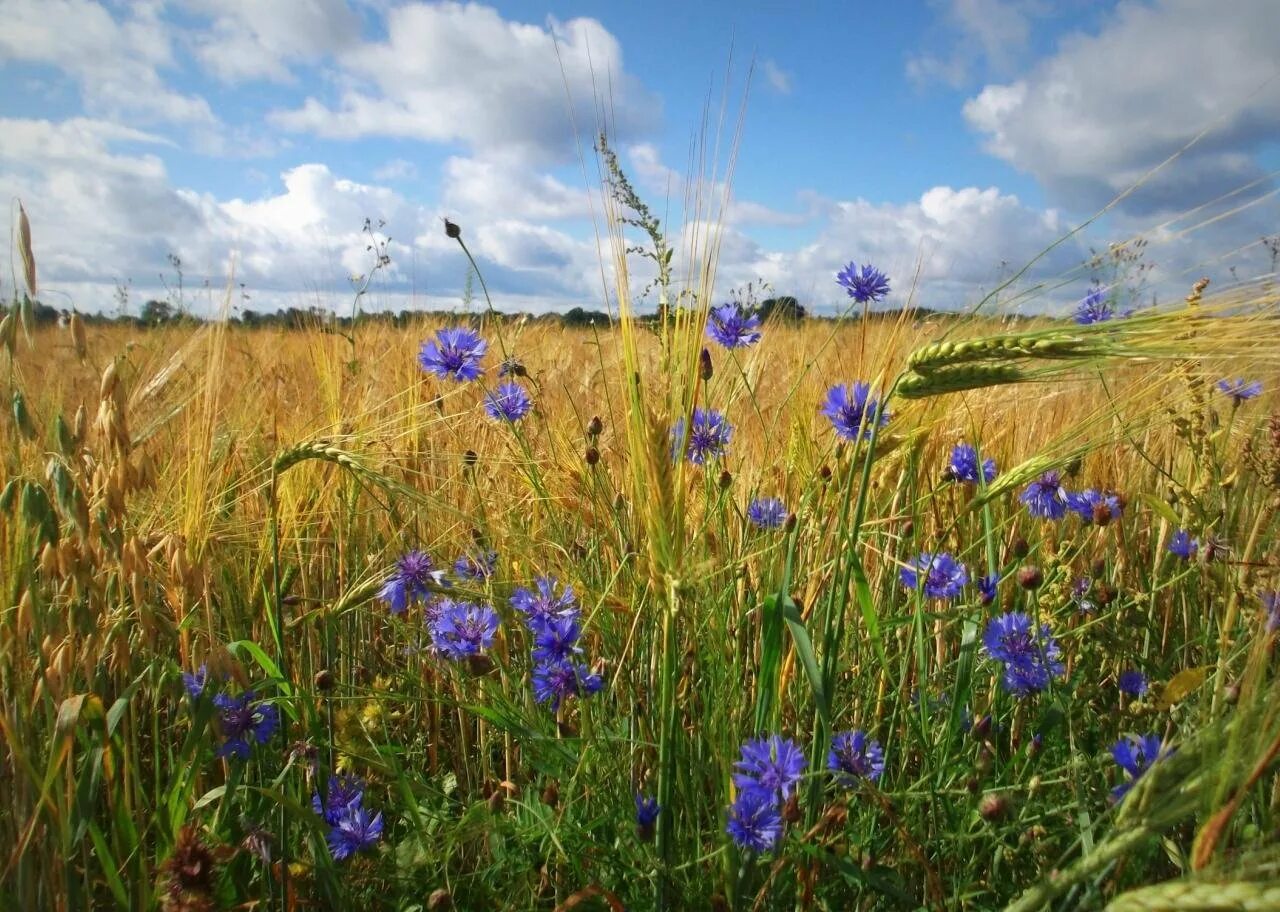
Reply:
x=951, y=140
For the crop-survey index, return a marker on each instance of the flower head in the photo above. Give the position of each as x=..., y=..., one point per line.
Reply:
x=1134, y=755
x=767, y=512
x=1080, y=595
x=412, y=579
x=1031, y=658
x=242, y=719
x=195, y=681
x=865, y=284
x=1133, y=682
x=1271, y=605
x=963, y=465
x=941, y=575
x=354, y=831
x=853, y=755
x=852, y=411
x=454, y=354
x=987, y=587
x=755, y=822
x=555, y=639
x=543, y=603
x=732, y=326
x=773, y=764
x=1183, y=545
x=509, y=402
x=709, y=439
x=477, y=566
x=556, y=679
x=647, y=811
x=464, y=629
x=1094, y=308
x=1240, y=390
x=1046, y=497
x=344, y=792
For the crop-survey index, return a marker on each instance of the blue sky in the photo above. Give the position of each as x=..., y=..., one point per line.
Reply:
x=957, y=137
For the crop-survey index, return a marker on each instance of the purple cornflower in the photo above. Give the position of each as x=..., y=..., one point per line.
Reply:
x=767, y=512
x=865, y=284
x=509, y=402
x=964, y=465
x=647, y=811
x=354, y=832
x=555, y=639
x=852, y=411
x=1095, y=506
x=773, y=765
x=242, y=718
x=464, y=629
x=755, y=822
x=1183, y=545
x=454, y=354
x=1133, y=682
x=1134, y=755
x=987, y=587
x=1030, y=660
x=1046, y=497
x=710, y=437
x=415, y=573
x=1094, y=308
x=555, y=680
x=1240, y=391
x=853, y=755
x=1271, y=605
x=732, y=326
x=942, y=576
x=195, y=682
x=478, y=566
x=544, y=604
x=344, y=792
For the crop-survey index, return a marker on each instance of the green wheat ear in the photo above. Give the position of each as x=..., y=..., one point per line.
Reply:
x=1193, y=896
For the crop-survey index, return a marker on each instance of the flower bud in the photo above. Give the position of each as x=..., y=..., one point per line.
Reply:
x=595, y=427
x=592, y=456
x=451, y=230
x=1030, y=577
x=705, y=370
x=994, y=808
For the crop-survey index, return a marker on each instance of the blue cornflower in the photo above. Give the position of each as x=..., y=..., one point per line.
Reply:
x=412, y=579
x=242, y=718
x=464, y=629
x=767, y=512
x=852, y=411
x=195, y=682
x=1240, y=390
x=555, y=639
x=478, y=566
x=555, y=680
x=732, y=326
x=509, y=402
x=853, y=755
x=865, y=284
x=710, y=437
x=647, y=811
x=1046, y=497
x=454, y=354
x=1183, y=545
x=987, y=587
x=773, y=764
x=942, y=576
x=964, y=465
x=1134, y=755
x=353, y=832
x=1030, y=660
x=1095, y=506
x=344, y=792
x=1271, y=605
x=755, y=821
x=1133, y=682
x=1094, y=308
x=544, y=604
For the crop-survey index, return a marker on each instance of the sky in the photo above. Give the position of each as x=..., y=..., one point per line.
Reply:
x=948, y=142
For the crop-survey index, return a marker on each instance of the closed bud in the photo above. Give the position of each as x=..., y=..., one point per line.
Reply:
x=994, y=808
x=1030, y=578
x=790, y=523
x=595, y=427
x=1019, y=547
x=451, y=230
x=982, y=727
x=592, y=456
x=1101, y=514
x=324, y=679
x=469, y=458
x=825, y=473
x=726, y=479
x=439, y=899
x=705, y=370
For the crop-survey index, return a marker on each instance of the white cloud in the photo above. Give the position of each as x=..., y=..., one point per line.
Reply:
x=779, y=79
x=1094, y=117
x=482, y=190
x=991, y=33
x=249, y=40
x=395, y=170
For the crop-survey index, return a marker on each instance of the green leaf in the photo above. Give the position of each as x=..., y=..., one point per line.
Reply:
x=804, y=649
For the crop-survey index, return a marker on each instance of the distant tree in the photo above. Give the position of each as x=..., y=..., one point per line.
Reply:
x=578, y=317
x=250, y=317
x=154, y=312
x=786, y=307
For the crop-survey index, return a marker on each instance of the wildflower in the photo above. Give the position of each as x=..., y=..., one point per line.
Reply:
x=1094, y=308
x=554, y=680
x=1133, y=682
x=1271, y=605
x=1094, y=506
x=1030, y=660
x=1079, y=592
x=464, y=629
x=963, y=465
x=1134, y=755
x=1240, y=390
x=412, y=578
x=854, y=755
x=767, y=512
x=478, y=566
x=195, y=682
x=555, y=639
x=710, y=436
x=1046, y=497
x=987, y=587
x=241, y=718
x=509, y=402
x=344, y=792
x=755, y=821
x=1183, y=545
x=353, y=832
x=647, y=811
x=772, y=764
x=544, y=604
x=732, y=326
x=454, y=354
x=865, y=284
x=943, y=576
x=852, y=411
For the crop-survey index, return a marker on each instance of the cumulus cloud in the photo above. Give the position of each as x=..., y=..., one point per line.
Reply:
x=248, y=40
